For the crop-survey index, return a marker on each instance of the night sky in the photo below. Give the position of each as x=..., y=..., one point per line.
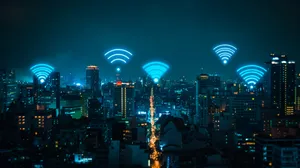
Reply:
x=73, y=34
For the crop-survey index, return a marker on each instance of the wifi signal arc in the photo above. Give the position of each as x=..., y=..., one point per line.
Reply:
x=156, y=70
x=251, y=74
x=225, y=52
x=118, y=56
x=42, y=71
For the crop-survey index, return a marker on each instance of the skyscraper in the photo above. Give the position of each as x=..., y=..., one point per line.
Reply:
x=55, y=89
x=8, y=88
x=93, y=80
x=298, y=92
x=283, y=78
x=209, y=84
x=206, y=86
x=124, y=95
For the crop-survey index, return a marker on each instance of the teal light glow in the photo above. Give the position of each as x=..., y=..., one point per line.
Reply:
x=251, y=74
x=118, y=59
x=42, y=71
x=225, y=52
x=118, y=56
x=156, y=70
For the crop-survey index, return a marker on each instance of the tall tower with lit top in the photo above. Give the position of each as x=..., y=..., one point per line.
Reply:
x=283, y=83
x=93, y=80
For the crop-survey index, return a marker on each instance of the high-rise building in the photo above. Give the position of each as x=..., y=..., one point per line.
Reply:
x=37, y=89
x=93, y=80
x=124, y=95
x=283, y=80
x=27, y=95
x=298, y=92
x=54, y=80
x=7, y=76
x=12, y=92
x=8, y=88
x=69, y=78
x=108, y=98
x=206, y=86
x=209, y=84
x=245, y=106
x=95, y=109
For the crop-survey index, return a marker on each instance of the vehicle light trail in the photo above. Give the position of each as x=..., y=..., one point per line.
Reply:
x=153, y=138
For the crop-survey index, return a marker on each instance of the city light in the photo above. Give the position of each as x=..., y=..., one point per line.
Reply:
x=225, y=52
x=42, y=71
x=155, y=154
x=142, y=112
x=251, y=74
x=154, y=85
x=156, y=70
x=92, y=67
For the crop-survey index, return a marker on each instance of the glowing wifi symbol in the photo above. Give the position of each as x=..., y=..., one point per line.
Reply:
x=118, y=55
x=251, y=74
x=156, y=70
x=42, y=71
x=225, y=52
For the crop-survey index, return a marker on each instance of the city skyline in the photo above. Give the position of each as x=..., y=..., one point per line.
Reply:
x=151, y=84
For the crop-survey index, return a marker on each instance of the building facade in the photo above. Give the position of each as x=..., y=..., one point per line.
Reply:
x=283, y=78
